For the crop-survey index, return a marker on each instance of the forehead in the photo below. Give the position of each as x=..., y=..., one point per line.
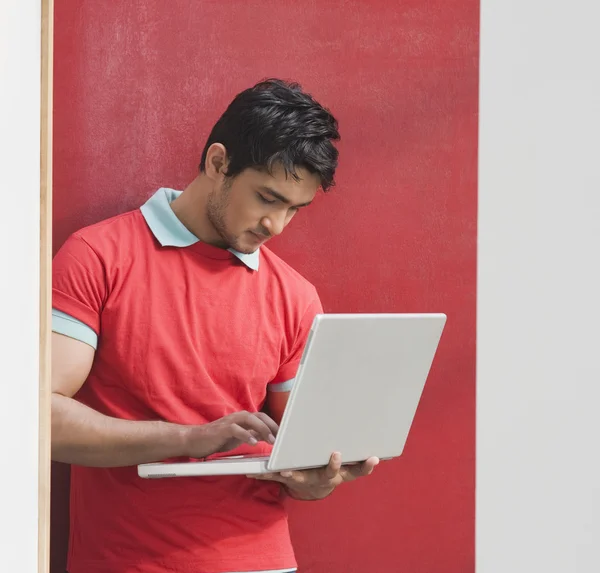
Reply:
x=299, y=189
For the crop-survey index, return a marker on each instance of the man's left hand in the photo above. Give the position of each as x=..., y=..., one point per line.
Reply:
x=319, y=483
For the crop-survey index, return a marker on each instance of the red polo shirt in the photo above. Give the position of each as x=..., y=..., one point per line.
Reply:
x=186, y=334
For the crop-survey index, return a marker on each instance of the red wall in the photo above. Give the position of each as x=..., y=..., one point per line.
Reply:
x=138, y=84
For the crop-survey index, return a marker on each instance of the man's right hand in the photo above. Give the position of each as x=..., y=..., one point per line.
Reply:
x=228, y=433
x=83, y=436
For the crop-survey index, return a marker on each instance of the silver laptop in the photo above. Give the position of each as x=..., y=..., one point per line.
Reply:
x=356, y=392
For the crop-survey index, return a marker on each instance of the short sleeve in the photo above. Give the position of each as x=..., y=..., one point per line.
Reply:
x=79, y=282
x=289, y=367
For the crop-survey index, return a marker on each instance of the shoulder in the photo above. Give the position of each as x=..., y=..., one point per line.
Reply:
x=105, y=248
x=115, y=229
x=115, y=237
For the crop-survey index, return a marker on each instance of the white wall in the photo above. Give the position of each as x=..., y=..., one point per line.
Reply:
x=538, y=405
x=19, y=282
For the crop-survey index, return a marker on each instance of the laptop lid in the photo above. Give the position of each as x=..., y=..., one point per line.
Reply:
x=357, y=389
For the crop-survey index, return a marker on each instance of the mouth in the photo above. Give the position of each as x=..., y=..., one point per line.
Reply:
x=258, y=237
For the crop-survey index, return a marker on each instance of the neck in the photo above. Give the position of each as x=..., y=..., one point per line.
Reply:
x=191, y=209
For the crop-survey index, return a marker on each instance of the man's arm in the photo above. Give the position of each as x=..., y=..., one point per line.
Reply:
x=275, y=404
x=83, y=436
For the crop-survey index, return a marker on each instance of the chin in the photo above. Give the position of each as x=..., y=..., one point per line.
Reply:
x=247, y=243
x=246, y=250
x=243, y=248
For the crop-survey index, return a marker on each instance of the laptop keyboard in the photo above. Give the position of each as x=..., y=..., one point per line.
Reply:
x=232, y=459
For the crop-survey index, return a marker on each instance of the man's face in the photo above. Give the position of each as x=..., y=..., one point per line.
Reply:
x=254, y=206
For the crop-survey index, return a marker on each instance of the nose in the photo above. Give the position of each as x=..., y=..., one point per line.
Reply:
x=274, y=223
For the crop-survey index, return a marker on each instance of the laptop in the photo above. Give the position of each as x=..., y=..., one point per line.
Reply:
x=356, y=392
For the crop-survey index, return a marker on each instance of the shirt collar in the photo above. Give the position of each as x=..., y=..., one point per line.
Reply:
x=171, y=232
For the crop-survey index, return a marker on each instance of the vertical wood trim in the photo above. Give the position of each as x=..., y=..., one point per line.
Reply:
x=47, y=56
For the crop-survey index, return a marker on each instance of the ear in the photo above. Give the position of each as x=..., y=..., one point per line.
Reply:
x=216, y=161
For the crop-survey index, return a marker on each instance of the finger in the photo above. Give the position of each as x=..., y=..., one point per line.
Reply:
x=268, y=428
x=302, y=477
x=366, y=468
x=269, y=422
x=297, y=477
x=370, y=465
x=252, y=422
x=334, y=467
x=324, y=476
x=241, y=434
x=352, y=472
x=268, y=477
x=309, y=478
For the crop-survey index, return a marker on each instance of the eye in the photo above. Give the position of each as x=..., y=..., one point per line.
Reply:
x=263, y=199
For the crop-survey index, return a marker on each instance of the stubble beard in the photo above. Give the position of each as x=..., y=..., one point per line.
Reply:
x=216, y=208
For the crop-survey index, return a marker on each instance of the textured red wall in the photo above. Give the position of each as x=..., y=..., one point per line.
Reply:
x=138, y=84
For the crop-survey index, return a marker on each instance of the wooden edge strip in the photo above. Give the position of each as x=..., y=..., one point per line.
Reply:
x=44, y=478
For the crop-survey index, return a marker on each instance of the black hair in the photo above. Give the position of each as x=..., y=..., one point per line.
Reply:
x=276, y=122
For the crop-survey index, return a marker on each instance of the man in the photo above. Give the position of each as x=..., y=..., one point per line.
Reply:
x=177, y=335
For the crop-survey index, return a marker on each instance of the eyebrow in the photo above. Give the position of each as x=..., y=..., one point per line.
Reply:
x=280, y=197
